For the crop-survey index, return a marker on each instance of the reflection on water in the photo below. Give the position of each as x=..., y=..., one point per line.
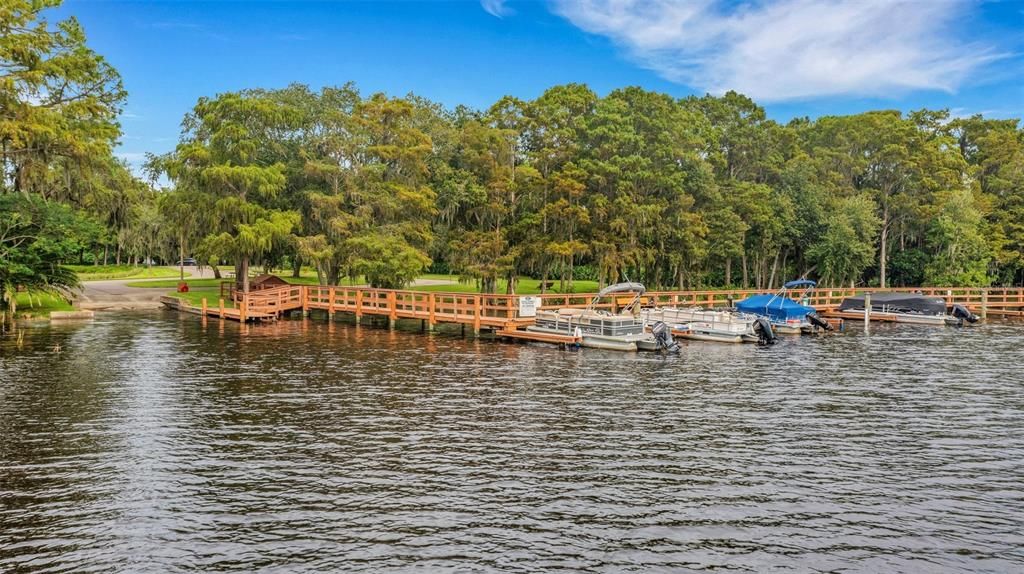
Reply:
x=153, y=442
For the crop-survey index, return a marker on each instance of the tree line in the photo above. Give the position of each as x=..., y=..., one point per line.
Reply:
x=681, y=193
x=676, y=193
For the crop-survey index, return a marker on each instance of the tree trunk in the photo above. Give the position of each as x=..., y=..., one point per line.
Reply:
x=882, y=249
x=106, y=253
x=181, y=259
x=296, y=267
x=572, y=264
x=244, y=268
x=743, y=261
x=216, y=271
x=775, y=268
x=728, y=271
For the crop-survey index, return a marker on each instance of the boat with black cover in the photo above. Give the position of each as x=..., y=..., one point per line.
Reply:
x=911, y=308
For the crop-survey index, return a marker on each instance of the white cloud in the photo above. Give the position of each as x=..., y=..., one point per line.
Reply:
x=776, y=50
x=495, y=8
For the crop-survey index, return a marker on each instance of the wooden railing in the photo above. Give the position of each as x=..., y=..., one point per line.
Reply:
x=502, y=311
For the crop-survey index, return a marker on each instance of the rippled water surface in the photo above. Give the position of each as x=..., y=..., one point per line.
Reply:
x=154, y=443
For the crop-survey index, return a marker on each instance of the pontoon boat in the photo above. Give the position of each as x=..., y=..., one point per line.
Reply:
x=601, y=329
x=712, y=325
x=911, y=308
x=786, y=315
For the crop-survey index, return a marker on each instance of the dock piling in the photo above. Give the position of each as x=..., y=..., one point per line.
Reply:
x=431, y=312
x=476, y=314
x=867, y=312
x=392, y=310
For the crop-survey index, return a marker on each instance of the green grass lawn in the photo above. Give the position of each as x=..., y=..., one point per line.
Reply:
x=40, y=304
x=104, y=272
x=526, y=286
x=195, y=297
x=201, y=283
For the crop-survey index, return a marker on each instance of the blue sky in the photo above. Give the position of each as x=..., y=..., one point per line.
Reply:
x=796, y=57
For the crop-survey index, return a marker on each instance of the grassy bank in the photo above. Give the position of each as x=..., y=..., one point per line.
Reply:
x=105, y=272
x=39, y=305
x=195, y=297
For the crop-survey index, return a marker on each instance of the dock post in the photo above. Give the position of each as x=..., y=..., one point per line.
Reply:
x=476, y=315
x=330, y=304
x=204, y=307
x=222, y=308
x=305, y=301
x=984, y=303
x=431, y=310
x=392, y=310
x=867, y=311
x=359, y=306
x=242, y=310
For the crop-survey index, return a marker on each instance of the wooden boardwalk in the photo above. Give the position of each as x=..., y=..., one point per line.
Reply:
x=500, y=313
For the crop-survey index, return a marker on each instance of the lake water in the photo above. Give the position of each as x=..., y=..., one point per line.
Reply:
x=149, y=442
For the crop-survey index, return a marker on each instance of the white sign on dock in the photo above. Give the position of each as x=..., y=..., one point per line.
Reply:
x=528, y=306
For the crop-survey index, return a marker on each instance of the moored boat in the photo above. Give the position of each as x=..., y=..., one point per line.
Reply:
x=601, y=329
x=711, y=325
x=910, y=308
x=786, y=315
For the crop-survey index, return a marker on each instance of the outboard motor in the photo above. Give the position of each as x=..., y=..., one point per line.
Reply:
x=765, y=333
x=817, y=321
x=964, y=314
x=663, y=335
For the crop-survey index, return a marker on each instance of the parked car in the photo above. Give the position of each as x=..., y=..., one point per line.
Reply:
x=188, y=262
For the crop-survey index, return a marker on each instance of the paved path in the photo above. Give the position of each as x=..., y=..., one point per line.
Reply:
x=115, y=294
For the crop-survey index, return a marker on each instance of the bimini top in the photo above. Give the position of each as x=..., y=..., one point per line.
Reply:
x=798, y=283
x=622, y=288
x=775, y=307
x=897, y=303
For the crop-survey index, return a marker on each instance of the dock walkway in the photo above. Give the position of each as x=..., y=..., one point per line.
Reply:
x=500, y=313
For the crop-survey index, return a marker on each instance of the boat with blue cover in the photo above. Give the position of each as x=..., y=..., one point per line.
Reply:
x=784, y=312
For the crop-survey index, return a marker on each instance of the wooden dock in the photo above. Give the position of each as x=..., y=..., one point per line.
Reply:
x=500, y=313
